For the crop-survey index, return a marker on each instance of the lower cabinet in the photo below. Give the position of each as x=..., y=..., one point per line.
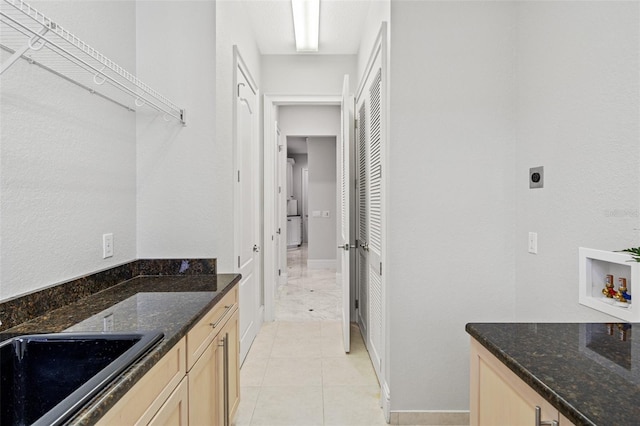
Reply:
x=174, y=411
x=499, y=397
x=214, y=379
x=196, y=383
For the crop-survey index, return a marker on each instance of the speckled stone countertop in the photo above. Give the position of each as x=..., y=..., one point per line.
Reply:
x=589, y=372
x=170, y=304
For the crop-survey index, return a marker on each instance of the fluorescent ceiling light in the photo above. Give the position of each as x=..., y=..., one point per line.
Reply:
x=306, y=23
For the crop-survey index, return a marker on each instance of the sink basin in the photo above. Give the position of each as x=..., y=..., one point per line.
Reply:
x=46, y=378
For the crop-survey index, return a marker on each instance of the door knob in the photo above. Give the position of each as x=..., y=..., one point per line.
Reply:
x=256, y=248
x=344, y=246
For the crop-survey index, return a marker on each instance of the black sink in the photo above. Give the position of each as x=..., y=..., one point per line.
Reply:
x=46, y=378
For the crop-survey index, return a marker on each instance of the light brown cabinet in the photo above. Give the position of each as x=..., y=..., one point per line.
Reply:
x=196, y=383
x=498, y=396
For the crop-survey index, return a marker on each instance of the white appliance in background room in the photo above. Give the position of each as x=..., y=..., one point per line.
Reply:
x=294, y=224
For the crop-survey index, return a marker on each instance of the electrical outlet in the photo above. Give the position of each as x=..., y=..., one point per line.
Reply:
x=533, y=243
x=108, y=323
x=536, y=177
x=107, y=245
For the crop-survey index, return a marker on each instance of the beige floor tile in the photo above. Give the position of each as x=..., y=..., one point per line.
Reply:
x=289, y=406
x=293, y=372
x=248, y=399
x=253, y=370
x=296, y=347
x=352, y=406
x=298, y=329
x=348, y=371
x=332, y=346
x=261, y=347
x=331, y=328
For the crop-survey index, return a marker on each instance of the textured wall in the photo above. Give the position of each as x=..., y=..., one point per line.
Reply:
x=68, y=160
x=183, y=186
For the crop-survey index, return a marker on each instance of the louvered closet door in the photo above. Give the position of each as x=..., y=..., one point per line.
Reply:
x=362, y=222
x=370, y=168
x=374, y=206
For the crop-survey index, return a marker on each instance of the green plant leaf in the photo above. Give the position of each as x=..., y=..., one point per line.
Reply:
x=634, y=252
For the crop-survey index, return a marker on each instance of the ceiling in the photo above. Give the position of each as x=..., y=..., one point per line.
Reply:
x=341, y=24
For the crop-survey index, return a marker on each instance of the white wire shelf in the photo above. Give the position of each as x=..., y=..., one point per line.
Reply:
x=28, y=34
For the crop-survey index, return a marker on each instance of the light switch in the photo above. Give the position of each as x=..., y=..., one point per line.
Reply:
x=533, y=243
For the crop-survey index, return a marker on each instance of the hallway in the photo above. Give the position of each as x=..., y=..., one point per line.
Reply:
x=296, y=372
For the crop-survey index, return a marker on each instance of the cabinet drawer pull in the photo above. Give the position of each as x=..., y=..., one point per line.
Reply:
x=544, y=423
x=227, y=309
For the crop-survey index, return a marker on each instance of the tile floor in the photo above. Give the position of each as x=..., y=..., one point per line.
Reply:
x=309, y=294
x=296, y=372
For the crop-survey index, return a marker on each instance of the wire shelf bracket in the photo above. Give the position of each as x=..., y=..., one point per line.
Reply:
x=31, y=35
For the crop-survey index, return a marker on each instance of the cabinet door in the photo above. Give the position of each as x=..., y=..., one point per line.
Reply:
x=203, y=388
x=174, y=411
x=499, y=397
x=230, y=332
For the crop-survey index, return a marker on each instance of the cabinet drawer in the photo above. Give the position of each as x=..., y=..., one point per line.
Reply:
x=144, y=399
x=205, y=330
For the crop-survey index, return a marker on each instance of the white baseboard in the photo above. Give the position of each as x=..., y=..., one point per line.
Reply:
x=321, y=263
x=442, y=418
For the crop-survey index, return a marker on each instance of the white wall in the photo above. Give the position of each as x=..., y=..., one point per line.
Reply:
x=451, y=198
x=306, y=74
x=578, y=116
x=497, y=88
x=322, y=197
x=68, y=160
x=181, y=172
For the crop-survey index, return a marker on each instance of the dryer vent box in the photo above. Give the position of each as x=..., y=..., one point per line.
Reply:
x=536, y=177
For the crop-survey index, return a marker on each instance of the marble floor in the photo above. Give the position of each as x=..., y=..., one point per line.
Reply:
x=296, y=372
x=308, y=294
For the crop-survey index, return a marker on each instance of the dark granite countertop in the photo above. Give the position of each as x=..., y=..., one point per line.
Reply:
x=589, y=372
x=170, y=304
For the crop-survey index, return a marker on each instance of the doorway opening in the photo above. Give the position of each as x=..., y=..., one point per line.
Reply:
x=310, y=290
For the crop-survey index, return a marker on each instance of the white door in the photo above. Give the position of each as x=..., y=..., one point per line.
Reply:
x=347, y=125
x=247, y=209
x=370, y=214
x=362, y=214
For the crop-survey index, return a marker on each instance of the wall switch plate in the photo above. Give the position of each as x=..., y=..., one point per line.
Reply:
x=325, y=213
x=316, y=213
x=536, y=177
x=533, y=243
x=107, y=245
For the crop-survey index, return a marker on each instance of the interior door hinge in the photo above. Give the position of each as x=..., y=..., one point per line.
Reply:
x=279, y=272
x=238, y=261
x=280, y=148
x=238, y=175
x=279, y=189
x=380, y=268
x=355, y=123
x=357, y=304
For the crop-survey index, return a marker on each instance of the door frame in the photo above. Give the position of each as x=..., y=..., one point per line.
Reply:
x=271, y=103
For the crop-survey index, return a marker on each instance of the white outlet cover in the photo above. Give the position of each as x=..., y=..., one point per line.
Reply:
x=107, y=245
